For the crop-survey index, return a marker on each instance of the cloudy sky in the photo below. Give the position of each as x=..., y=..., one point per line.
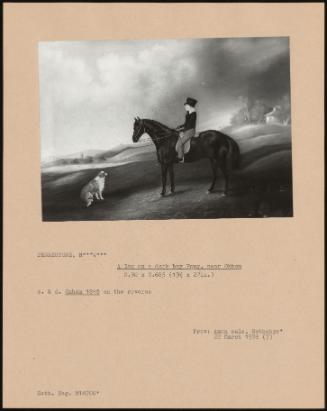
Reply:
x=90, y=91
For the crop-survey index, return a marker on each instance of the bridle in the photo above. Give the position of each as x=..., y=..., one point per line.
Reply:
x=143, y=131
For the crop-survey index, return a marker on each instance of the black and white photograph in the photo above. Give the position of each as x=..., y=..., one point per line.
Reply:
x=165, y=129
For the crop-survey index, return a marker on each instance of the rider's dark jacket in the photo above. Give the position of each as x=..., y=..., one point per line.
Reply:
x=190, y=121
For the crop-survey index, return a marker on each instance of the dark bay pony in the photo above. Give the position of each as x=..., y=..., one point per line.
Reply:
x=220, y=149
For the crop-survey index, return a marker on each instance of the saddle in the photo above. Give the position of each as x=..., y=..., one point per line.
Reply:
x=187, y=145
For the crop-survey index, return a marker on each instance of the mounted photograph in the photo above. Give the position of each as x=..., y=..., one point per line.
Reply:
x=165, y=129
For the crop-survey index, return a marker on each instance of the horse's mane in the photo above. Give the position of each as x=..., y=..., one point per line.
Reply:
x=164, y=129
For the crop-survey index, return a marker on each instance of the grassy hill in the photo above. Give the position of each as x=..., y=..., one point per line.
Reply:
x=261, y=188
x=92, y=158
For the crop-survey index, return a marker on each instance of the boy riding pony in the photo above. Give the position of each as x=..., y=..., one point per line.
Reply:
x=187, y=130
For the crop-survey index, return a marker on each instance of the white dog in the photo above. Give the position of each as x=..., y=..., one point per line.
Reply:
x=93, y=188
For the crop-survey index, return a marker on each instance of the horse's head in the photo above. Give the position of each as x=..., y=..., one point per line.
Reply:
x=138, y=129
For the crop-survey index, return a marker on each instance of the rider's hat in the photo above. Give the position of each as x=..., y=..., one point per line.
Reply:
x=190, y=101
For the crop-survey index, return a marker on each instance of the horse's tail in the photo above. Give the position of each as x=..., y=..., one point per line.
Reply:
x=237, y=155
x=234, y=154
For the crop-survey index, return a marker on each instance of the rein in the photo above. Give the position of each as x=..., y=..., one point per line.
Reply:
x=158, y=138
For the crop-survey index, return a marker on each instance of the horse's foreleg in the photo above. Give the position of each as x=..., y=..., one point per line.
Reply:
x=214, y=175
x=172, y=178
x=164, y=169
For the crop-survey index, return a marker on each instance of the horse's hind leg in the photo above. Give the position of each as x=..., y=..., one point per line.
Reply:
x=214, y=166
x=164, y=169
x=227, y=169
x=172, y=178
x=226, y=175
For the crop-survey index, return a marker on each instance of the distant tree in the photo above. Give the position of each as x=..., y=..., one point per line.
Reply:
x=251, y=112
x=258, y=111
x=88, y=159
x=238, y=118
x=61, y=162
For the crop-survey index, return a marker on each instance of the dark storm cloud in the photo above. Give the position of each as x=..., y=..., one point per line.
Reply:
x=258, y=67
x=230, y=68
x=271, y=83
